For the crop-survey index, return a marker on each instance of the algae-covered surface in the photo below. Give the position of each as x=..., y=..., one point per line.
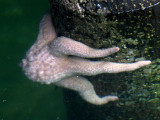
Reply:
x=137, y=34
x=21, y=98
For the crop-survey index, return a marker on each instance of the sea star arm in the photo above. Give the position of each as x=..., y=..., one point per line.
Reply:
x=64, y=45
x=46, y=30
x=86, y=67
x=46, y=33
x=85, y=90
x=67, y=46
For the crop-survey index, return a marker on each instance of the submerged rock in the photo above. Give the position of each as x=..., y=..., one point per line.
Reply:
x=104, y=7
x=137, y=33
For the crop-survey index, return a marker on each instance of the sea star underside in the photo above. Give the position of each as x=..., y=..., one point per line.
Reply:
x=60, y=60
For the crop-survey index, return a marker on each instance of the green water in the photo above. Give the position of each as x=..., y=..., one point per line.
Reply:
x=20, y=98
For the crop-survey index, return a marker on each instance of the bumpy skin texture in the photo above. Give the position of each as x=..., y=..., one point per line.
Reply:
x=105, y=6
x=49, y=61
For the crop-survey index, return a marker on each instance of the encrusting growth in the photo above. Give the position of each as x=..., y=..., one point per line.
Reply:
x=48, y=61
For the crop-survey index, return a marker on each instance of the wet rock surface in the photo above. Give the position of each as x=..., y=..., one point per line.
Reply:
x=137, y=34
x=97, y=7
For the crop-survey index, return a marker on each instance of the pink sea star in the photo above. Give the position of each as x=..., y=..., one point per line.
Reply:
x=48, y=61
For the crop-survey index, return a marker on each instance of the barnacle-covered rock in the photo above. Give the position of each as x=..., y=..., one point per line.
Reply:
x=105, y=6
